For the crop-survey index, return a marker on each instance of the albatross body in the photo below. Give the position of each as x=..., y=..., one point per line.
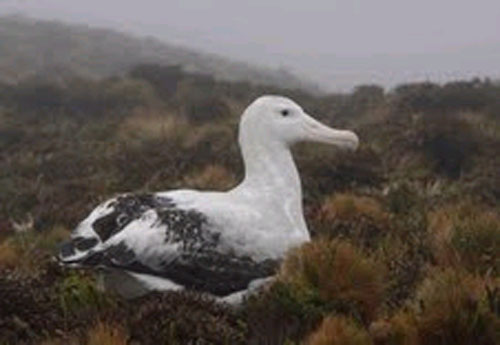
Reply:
x=220, y=243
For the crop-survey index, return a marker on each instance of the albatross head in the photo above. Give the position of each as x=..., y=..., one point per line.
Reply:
x=277, y=119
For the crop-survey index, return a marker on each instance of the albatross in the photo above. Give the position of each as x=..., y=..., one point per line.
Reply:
x=224, y=244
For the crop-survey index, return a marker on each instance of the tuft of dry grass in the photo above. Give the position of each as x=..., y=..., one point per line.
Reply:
x=361, y=219
x=405, y=267
x=403, y=329
x=183, y=318
x=147, y=124
x=9, y=255
x=106, y=334
x=339, y=274
x=450, y=308
x=400, y=329
x=211, y=177
x=61, y=341
x=466, y=235
x=440, y=228
x=337, y=330
x=25, y=250
x=347, y=206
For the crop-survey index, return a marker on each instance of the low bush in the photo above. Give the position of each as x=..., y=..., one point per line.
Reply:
x=106, y=334
x=183, y=318
x=449, y=142
x=339, y=331
x=337, y=275
x=468, y=236
x=361, y=219
x=79, y=295
x=450, y=308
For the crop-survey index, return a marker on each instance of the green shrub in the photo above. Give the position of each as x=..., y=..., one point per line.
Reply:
x=78, y=294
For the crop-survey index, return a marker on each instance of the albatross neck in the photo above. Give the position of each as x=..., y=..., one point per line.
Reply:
x=271, y=174
x=272, y=182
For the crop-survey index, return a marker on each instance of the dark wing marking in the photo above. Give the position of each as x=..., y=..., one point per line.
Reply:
x=127, y=208
x=124, y=210
x=197, y=264
x=70, y=248
x=218, y=273
x=188, y=227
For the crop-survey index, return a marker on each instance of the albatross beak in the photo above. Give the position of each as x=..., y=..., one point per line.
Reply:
x=318, y=132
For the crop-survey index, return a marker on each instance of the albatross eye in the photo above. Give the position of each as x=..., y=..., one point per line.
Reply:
x=285, y=112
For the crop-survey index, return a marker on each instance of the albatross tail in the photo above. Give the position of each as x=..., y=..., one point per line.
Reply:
x=79, y=251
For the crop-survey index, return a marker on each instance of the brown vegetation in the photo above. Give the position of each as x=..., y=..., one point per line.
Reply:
x=339, y=331
x=405, y=245
x=106, y=334
x=339, y=275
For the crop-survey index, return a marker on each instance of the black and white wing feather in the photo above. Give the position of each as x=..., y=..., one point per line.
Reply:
x=150, y=234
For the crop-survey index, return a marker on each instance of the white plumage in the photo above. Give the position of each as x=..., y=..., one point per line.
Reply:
x=221, y=243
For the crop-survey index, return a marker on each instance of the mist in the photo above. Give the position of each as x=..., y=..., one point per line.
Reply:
x=339, y=44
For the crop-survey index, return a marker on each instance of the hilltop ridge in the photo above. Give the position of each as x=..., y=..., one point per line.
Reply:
x=32, y=47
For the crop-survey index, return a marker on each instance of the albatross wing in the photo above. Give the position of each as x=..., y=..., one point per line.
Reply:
x=152, y=235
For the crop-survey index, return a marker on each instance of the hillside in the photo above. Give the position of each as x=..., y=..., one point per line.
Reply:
x=405, y=232
x=30, y=47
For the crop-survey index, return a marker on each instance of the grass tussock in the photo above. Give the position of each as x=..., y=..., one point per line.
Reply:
x=9, y=256
x=183, y=318
x=468, y=236
x=146, y=124
x=397, y=255
x=406, y=268
x=79, y=294
x=441, y=227
x=61, y=341
x=337, y=274
x=361, y=219
x=339, y=331
x=107, y=334
x=400, y=329
x=451, y=308
x=27, y=249
x=345, y=206
x=211, y=177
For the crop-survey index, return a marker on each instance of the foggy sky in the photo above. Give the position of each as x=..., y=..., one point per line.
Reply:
x=340, y=43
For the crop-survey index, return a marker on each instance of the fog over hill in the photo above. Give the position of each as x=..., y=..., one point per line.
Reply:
x=31, y=47
x=338, y=43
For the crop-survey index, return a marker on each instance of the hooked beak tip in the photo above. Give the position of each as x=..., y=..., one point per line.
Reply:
x=354, y=142
x=319, y=132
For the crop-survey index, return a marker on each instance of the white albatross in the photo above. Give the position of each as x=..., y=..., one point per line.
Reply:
x=220, y=243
